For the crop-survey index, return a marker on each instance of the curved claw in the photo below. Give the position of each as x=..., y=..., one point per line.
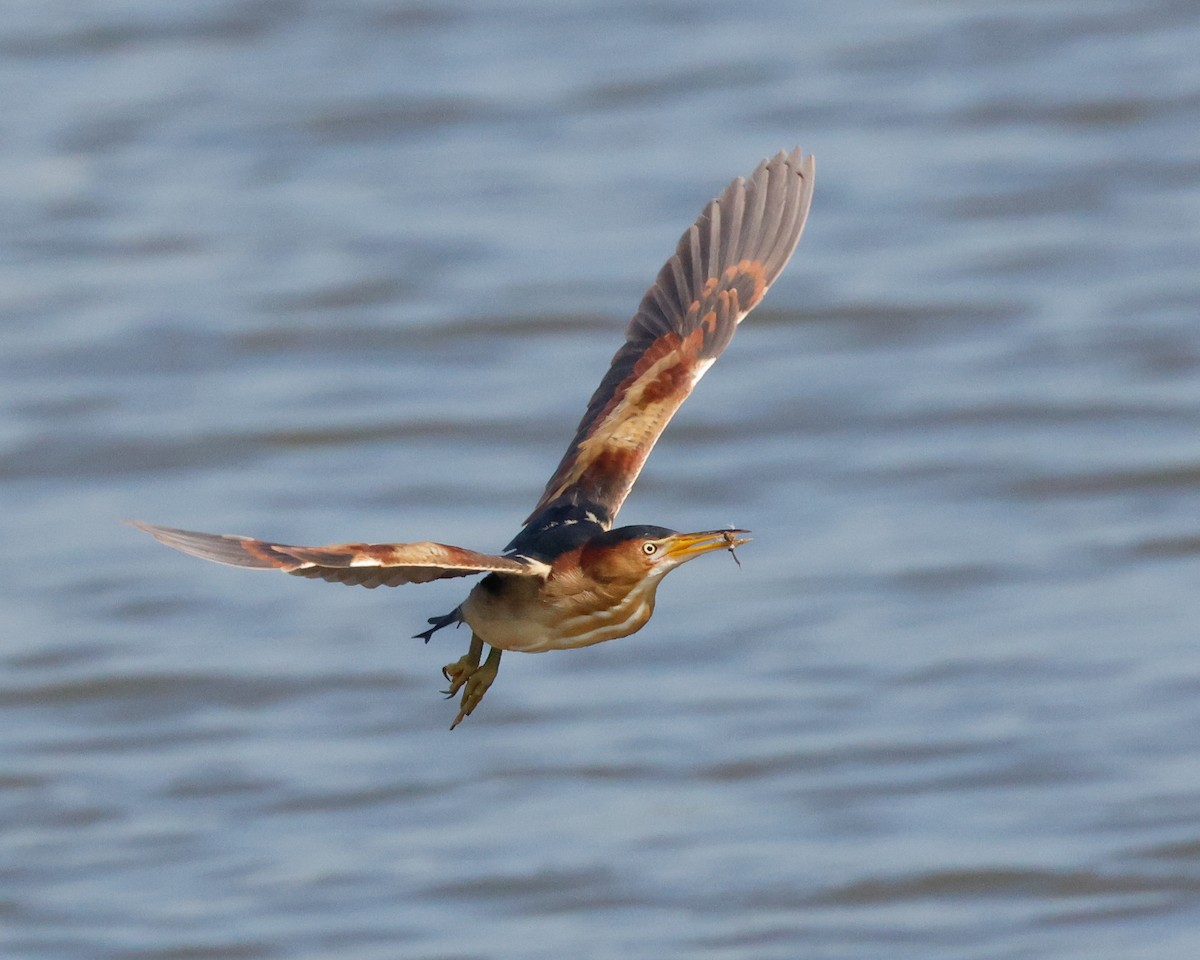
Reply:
x=462, y=669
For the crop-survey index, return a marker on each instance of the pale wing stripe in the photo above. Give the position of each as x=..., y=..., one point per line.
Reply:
x=733, y=234
x=714, y=240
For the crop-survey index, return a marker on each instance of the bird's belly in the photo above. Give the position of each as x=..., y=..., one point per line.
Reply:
x=535, y=625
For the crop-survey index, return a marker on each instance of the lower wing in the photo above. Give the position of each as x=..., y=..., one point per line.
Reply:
x=363, y=564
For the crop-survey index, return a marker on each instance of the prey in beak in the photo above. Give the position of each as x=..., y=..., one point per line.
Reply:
x=682, y=547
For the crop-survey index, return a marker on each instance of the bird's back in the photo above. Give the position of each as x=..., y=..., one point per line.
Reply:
x=554, y=530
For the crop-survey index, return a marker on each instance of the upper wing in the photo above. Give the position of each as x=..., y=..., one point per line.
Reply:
x=720, y=271
x=365, y=564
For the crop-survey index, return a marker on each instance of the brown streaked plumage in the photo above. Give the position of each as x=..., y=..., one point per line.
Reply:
x=568, y=579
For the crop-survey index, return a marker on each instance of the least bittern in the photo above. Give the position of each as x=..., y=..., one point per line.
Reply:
x=568, y=579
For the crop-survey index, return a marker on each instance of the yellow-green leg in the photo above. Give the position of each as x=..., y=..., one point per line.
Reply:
x=461, y=669
x=477, y=683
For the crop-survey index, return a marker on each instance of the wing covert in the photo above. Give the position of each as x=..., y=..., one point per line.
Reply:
x=363, y=564
x=721, y=268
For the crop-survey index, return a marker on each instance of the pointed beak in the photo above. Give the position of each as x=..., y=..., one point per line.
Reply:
x=685, y=546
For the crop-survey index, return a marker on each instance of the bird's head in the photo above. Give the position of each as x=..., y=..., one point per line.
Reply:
x=644, y=552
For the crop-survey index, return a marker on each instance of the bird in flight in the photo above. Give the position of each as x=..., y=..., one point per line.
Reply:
x=569, y=578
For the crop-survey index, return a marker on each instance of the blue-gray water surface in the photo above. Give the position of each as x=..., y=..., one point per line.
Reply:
x=342, y=271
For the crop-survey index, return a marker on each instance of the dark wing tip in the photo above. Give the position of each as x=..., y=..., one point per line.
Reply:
x=759, y=218
x=756, y=221
x=220, y=548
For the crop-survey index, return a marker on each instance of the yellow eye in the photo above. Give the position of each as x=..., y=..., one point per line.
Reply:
x=649, y=549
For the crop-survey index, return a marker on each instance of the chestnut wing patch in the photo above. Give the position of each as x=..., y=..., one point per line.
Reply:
x=362, y=564
x=721, y=269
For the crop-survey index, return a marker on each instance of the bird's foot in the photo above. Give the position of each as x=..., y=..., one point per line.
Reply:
x=477, y=684
x=454, y=616
x=460, y=671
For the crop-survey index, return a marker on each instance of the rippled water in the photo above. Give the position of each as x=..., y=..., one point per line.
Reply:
x=338, y=271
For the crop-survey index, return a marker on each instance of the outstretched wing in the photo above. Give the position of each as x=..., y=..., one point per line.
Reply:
x=722, y=267
x=365, y=564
